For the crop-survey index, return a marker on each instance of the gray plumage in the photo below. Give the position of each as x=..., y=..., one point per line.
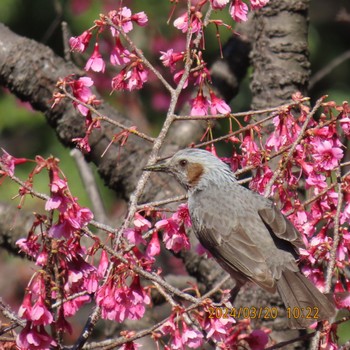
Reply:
x=245, y=232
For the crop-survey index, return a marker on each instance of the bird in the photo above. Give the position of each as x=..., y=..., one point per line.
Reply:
x=246, y=234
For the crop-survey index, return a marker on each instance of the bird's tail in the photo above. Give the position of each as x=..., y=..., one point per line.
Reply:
x=305, y=304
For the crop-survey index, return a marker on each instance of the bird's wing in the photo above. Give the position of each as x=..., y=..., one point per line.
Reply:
x=228, y=241
x=281, y=226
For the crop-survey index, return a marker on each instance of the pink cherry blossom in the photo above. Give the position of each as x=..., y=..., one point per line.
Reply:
x=42, y=258
x=181, y=23
x=29, y=245
x=141, y=223
x=81, y=42
x=83, y=144
x=102, y=267
x=218, y=105
x=174, y=235
x=62, y=324
x=251, y=152
x=105, y=299
x=130, y=79
x=257, y=339
x=119, y=55
x=169, y=326
x=176, y=241
x=34, y=338
x=54, y=202
x=217, y=328
x=286, y=131
x=200, y=105
x=81, y=91
x=125, y=19
x=219, y=4
x=178, y=76
x=71, y=219
x=257, y=4
x=182, y=215
x=140, y=18
x=261, y=178
x=95, y=62
x=134, y=236
x=25, y=310
x=57, y=184
x=202, y=76
x=119, y=303
x=71, y=307
x=239, y=11
x=316, y=180
x=326, y=154
x=169, y=58
x=153, y=247
x=130, y=346
x=345, y=125
x=39, y=314
x=191, y=337
x=9, y=163
x=137, y=78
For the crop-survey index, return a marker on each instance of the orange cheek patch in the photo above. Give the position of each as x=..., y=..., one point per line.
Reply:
x=194, y=173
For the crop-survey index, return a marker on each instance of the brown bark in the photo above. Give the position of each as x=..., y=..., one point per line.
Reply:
x=281, y=67
x=30, y=71
x=280, y=52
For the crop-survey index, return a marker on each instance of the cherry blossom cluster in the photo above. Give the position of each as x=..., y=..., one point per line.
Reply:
x=226, y=333
x=54, y=245
x=134, y=68
x=133, y=74
x=316, y=160
x=71, y=274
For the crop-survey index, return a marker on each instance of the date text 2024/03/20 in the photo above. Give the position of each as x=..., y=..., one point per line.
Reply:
x=262, y=312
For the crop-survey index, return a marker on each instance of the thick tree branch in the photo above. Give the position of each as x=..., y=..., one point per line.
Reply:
x=280, y=52
x=30, y=71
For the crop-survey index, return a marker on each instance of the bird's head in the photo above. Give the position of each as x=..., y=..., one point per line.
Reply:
x=194, y=168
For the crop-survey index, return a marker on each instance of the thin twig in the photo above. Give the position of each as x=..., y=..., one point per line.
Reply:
x=162, y=202
x=112, y=343
x=336, y=237
x=71, y=297
x=107, y=119
x=139, y=53
x=278, y=172
x=237, y=132
x=8, y=313
x=138, y=270
x=197, y=41
x=65, y=40
x=158, y=142
x=291, y=341
x=333, y=251
x=90, y=185
x=242, y=114
x=328, y=68
x=319, y=195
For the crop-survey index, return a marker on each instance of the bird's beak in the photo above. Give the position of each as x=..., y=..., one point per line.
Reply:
x=160, y=166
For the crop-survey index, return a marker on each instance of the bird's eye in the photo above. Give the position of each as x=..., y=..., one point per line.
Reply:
x=183, y=162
